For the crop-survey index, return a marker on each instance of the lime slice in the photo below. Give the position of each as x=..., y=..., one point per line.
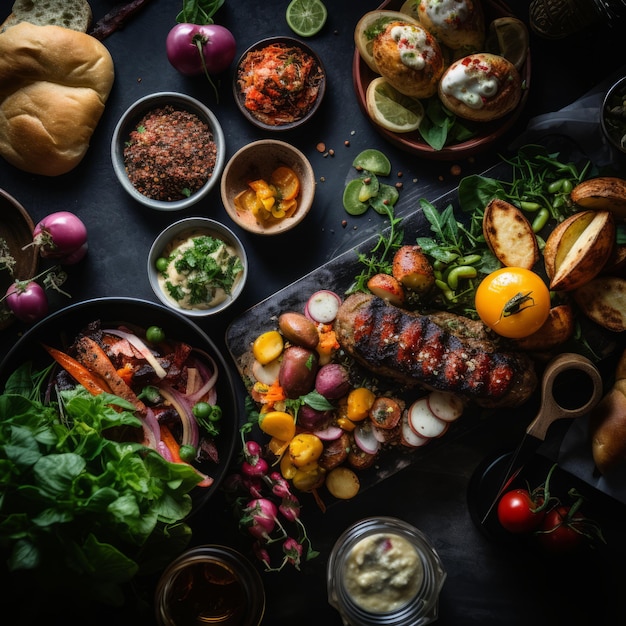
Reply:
x=392, y=110
x=351, y=202
x=386, y=197
x=508, y=37
x=373, y=161
x=306, y=17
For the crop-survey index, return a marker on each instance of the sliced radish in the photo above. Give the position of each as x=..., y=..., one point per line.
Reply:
x=322, y=306
x=365, y=439
x=331, y=433
x=446, y=406
x=424, y=422
x=409, y=438
x=267, y=373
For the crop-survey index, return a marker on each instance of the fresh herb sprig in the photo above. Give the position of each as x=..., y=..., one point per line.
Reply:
x=380, y=259
x=198, y=11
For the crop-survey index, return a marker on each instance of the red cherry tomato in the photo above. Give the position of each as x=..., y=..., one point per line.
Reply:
x=562, y=532
x=516, y=512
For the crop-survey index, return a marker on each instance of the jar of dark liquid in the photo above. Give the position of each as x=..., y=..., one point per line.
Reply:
x=210, y=585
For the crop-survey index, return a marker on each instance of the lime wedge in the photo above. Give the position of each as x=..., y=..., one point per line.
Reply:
x=392, y=110
x=306, y=17
x=373, y=161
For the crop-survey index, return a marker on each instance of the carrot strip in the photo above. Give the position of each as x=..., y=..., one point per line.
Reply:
x=174, y=448
x=92, y=356
x=92, y=383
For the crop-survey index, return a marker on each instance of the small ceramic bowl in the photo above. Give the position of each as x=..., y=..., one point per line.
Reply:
x=129, y=123
x=613, y=115
x=16, y=231
x=257, y=161
x=177, y=234
x=283, y=116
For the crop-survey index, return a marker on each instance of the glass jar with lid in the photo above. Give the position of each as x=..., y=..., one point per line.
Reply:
x=383, y=571
x=210, y=584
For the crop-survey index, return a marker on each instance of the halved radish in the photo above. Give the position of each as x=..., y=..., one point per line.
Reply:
x=446, y=406
x=267, y=373
x=365, y=439
x=322, y=306
x=408, y=437
x=424, y=422
x=330, y=433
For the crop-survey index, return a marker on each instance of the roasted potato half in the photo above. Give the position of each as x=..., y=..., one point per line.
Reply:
x=412, y=268
x=387, y=287
x=556, y=330
x=603, y=300
x=510, y=235
x=578, y=248
x=605, y=193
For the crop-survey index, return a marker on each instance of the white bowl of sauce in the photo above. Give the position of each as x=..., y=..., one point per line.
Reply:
x=197, y=266
x=384, y=571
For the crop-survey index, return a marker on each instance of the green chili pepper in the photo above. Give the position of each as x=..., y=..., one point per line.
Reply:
x=531, y=207
x=462, y=271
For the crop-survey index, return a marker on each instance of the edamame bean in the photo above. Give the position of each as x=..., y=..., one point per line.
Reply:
x=541, y=220
x=567, y=186
x=470, y=259
x=555, y=186
x=559, y=201
x=528, y=206
x=445, y=289
x=462, y=271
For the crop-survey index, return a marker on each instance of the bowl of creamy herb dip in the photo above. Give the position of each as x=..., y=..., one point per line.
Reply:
x=168, y=151
x=197, y=266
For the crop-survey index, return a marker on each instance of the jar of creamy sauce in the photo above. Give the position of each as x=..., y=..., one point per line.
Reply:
x=210, y=584
x=384, y=571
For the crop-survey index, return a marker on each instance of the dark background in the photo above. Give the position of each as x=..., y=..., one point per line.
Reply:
x=489, y=582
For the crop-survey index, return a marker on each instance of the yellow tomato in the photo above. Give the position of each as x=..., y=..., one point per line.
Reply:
x=305, y=449
x=360, y=401
x=513, y=301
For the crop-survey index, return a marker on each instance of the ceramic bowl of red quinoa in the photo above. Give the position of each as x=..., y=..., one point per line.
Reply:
x=279, y=83
x=168, y=151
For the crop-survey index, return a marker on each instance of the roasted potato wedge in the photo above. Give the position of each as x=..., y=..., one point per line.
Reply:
x=603, y=300
x=387, y=287
x=578, y=248
x=556, y=330
x=605, y=193
x=510, y=235
x=412, y=269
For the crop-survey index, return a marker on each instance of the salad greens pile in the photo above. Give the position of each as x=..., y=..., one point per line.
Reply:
x=83, y=508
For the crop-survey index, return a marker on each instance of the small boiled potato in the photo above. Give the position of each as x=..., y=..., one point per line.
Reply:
x=603, y=300
x=299, y=330
x=412, y=268
x=387, y=287
x=343, y=483
x=510, y=235
x=556, y=330
x=298, y=369
x=267, y=347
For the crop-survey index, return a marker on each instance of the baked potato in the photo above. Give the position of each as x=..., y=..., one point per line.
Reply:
x=409, y=58
x=481, y=87
x=457, y=24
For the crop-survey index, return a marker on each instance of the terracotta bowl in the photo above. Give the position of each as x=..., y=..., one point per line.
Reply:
x=257, y=161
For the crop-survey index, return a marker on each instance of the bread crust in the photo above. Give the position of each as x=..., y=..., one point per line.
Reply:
x=54, y=83
x=472, y=70
x=417, y=83
x=457, y=24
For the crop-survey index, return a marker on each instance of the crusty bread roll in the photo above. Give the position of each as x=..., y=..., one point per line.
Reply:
x=74, y=14
x=481, y=87
x=457, y=24
x=607, y=424
x=54, y=83
x=409, y=58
